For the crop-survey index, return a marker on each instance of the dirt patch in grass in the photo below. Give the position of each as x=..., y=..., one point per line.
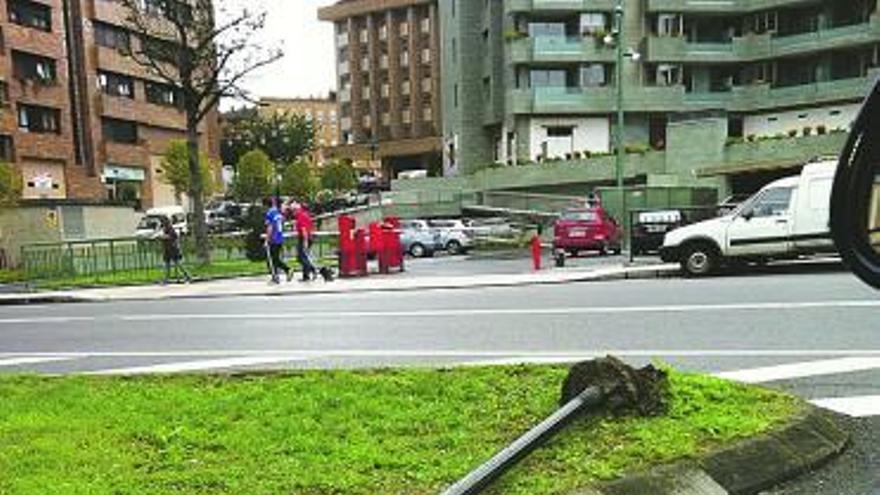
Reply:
x=342, y=432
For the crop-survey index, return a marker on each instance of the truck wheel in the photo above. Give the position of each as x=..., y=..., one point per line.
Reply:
x=699, y=260
x=454, y=247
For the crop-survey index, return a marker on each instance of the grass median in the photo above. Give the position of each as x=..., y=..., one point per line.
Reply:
x=342, y=432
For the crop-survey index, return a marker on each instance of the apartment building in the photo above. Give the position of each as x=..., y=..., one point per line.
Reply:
x=388, y=69
x=532, y=80
x=322, y=112
x=80, y=118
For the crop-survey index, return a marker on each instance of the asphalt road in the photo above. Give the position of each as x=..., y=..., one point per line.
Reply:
x=813, y=332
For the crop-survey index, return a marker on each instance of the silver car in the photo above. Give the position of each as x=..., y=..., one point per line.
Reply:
x=455, y=236
x=419, y=239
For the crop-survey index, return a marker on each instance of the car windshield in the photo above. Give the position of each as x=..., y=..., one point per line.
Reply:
x=150, y=223
x=580, y=216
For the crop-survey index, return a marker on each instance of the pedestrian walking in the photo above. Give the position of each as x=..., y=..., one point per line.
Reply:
x=305, y=229
x=274, y=242
x=171, y=252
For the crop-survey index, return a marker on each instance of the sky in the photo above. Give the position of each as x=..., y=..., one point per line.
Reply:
x=307, y=68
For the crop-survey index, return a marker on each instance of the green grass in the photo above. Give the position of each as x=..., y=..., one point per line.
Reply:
x=341, y=432
x=11, y=276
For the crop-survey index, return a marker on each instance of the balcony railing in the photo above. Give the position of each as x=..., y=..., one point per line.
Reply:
x=758, y=47
x=716, y=6
x=511, y=6
x=568, y=100
x=559, y=49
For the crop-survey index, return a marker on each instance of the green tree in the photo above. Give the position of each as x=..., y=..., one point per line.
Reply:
x=175, y=170
x=298, y=180
x=285, y=138
x=10, y=185
x=339, y=176
x=254, y=178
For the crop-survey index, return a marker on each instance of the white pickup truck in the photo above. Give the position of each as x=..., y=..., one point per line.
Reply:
x=786, y=219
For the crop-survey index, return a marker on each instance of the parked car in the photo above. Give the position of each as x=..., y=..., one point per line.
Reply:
x=587, y=229
x=223, y=216
x=418, y=239
x=455, y=236
x=490, y=227
x=651, y=227
x=787, y=218
x=150, y=226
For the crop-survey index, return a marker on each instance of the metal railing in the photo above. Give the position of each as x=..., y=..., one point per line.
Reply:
x=105, y=260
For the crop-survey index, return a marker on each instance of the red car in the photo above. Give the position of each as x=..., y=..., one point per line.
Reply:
x=587, y=229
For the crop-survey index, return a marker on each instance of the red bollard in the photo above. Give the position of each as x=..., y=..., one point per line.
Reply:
x=536, y=252
x=347, y=260
x=360, y=252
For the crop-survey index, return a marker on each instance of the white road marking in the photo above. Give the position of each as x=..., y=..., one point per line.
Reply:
x=697, y=308
x=857, y=407
x=52, y=319
x=188, y=366
x=802, y=370
x=464, y=353
x=20, y=361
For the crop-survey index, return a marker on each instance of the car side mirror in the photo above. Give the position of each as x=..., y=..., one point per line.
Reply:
x=748, y=215
x=855, y=197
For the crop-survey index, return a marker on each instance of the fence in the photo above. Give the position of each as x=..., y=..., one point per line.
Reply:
x=106, y=260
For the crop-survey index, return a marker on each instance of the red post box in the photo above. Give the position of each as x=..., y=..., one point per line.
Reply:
x=392, y=250
x=376, y=245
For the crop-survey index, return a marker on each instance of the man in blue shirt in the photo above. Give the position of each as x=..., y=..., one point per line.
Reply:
x=275, y=240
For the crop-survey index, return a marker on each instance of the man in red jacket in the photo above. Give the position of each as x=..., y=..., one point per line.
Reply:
x=305, y=229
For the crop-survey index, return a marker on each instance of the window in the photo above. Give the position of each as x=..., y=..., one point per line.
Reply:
x=4, y=94
x=427, y=114
x=668, y=75
x=116, y=84
x=407, y=116
x=113, y=37
x=404, y=58
x=670, y=25
x=161, y=94
x=37, y=119
x=7, y=149
x=593, y=75
x=426, y=25
x=30, y=14
x=120, y=131
x=771, y=203
x=592, y=23
x=405, y=88
x=33, y=67
x=153, y=7
x=426, y=55
x=547, y=78
x=547, y=29
x=160, y=50
x=404, y=29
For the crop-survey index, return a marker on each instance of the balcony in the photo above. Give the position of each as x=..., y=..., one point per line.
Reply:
x=716, y=6
x=154, y=115
x=566, y=101
x=574, y=6
x=759, y=47
x=557, y=49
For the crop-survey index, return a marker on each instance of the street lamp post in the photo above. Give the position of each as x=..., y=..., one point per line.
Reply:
x=618, y=134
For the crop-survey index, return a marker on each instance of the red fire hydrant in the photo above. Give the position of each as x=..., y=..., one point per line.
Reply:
x=536, y=252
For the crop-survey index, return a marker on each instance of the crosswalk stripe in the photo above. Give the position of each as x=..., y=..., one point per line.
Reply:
x=31, y=360
x=802, y=370
x=202, y=365
x=857, y=407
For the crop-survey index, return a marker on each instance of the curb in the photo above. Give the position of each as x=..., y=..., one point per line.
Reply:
x=748, y=467
x=626, y=273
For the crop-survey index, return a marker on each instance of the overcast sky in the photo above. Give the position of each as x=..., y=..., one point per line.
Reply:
x=308, y=65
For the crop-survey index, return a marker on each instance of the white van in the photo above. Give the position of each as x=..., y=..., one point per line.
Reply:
x=787, y=218
x=150, y=225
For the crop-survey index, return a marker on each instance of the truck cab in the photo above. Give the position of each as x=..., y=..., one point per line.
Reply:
x=785, y=219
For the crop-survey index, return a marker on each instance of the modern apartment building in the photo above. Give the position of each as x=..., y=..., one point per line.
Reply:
x=388, y=69
x=532, y=80
x=322, y=112
x=81, y=119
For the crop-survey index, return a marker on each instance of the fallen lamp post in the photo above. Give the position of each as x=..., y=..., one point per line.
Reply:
x=606, y=382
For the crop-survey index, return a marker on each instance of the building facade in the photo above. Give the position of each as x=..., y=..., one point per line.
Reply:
x=322, y=112
x=534, y=80
x=81, y=119
x=388, y=69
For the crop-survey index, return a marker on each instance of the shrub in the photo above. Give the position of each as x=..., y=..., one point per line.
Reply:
x=808, y=131
x=751, y=138
x=793, y=133
x=821, y=130
x=733, y=141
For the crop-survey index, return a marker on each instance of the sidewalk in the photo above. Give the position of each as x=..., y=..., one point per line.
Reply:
x=259, y=286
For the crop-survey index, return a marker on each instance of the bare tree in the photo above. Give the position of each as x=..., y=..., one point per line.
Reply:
x=204, y=51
